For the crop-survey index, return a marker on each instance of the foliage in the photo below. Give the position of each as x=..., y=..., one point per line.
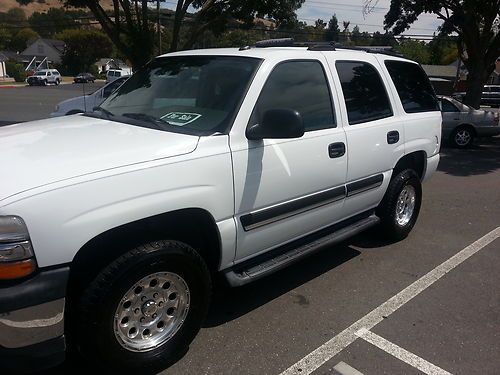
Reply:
x=474, y=21
x=15, y=70
x=132, y=30
x=415, y=50
x=83, y=49
x=333, y=31
x=54, y=21
x=20, y=40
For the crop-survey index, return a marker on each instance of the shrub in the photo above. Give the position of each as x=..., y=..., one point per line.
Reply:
x=15, y=70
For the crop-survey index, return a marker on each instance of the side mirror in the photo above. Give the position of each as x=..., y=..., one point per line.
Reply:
x=277, y=123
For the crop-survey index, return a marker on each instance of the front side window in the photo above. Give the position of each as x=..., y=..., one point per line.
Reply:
x=413, y=86
x=447, y=106
x=193, y=94
x=365, y=95
x=300, y=86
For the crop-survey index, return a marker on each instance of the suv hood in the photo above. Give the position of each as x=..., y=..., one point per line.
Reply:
x=42, y=152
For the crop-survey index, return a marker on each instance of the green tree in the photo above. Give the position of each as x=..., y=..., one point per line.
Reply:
x=131, y=24
x=474, y=21
x=319, y=24
x=5, y=38
x=83, y=49
x=443, y=50
x=415, y=50
x=15, y=71
x=333, y=30
x=20, y=40
x=54, y=21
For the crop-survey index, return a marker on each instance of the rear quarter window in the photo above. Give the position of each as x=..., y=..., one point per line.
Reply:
x=413, y=86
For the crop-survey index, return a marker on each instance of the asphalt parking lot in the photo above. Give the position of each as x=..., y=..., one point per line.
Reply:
x=32, y=103
x=430, y=303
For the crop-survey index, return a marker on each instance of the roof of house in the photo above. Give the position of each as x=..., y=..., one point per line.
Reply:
x=440, y=70
x=117, y=62
x=56, y=44
x=11, y=55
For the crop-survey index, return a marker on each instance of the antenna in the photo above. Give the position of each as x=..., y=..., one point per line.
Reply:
x=84, y=98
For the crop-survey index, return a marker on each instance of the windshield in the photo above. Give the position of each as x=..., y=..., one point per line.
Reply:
x=40, y=73
x=198, y=94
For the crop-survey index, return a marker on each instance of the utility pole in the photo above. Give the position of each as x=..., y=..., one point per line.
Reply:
x=158, y=26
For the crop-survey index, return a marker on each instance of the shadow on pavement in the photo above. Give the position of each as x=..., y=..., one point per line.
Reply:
x=481, y=158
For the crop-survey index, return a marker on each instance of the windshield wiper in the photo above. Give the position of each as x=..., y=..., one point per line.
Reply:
x=105, y=111
x=160, y=123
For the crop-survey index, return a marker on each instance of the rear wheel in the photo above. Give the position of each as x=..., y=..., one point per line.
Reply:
x=57, y=82
x=462, y=137
x=144, y=309
x=400, y=207
x=45, y=82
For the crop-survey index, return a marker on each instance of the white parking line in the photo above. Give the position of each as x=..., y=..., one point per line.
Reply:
x=344, y=369
x=400, y=353
x=325, y=352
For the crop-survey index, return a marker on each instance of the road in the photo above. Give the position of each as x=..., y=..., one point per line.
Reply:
x=350, y=305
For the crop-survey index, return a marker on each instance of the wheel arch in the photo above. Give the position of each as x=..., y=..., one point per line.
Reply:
x=468, y=126
x=193, y=226
x=416, y=160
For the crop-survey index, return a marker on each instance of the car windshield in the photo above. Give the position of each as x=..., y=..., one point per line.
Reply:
x=39, y=73
x=193, y=94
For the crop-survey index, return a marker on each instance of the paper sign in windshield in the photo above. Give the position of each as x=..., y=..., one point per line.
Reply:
x=181, y=118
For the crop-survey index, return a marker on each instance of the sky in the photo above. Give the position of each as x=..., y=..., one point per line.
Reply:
x=352, y=10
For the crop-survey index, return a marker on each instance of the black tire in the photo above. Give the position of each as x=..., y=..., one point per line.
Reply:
x=387, y=210
x=96, y=339
x=57, y=82
x=45, y=82
x=462, y=137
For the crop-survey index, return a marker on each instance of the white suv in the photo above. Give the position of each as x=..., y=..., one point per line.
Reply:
x=44, y=77
x=236, y=162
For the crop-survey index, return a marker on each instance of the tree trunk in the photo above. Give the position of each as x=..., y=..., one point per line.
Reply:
x=476, y=79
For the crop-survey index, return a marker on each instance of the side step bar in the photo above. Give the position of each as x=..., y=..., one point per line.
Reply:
x=252, y=270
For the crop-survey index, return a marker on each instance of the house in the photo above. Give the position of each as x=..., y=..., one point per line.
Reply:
x=442, y=77
x=51, y=48
x=106, y=63
x=31, y=61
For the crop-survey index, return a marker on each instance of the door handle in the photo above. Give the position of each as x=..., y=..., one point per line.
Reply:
x=393, y=137
x=336, y=150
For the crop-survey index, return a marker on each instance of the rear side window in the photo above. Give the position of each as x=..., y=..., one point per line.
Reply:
x=301, y=86
x=413, y=86
x=364, y=92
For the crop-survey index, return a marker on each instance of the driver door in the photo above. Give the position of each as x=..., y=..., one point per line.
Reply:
x=287, y=188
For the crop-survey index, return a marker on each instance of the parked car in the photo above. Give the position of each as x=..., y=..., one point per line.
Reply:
x=489, y=97
x=86, y=103
x=113, y=74
x=229, y=162
x=44, y=77
x=84, y=78
x=461, y=123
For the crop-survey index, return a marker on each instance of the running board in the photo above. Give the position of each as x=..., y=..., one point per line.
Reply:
x=252, y=270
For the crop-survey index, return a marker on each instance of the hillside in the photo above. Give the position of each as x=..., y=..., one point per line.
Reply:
x=29, y=9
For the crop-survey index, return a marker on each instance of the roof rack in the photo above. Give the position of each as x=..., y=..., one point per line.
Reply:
x=315, y=46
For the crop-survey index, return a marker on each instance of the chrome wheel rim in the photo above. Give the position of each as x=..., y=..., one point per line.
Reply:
x=405, y=205
x=151, y=312
x=463, y=137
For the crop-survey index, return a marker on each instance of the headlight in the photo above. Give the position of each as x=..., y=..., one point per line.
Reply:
x=16, y=253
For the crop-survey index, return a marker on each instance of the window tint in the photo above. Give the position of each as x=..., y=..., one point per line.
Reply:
x=447, y=106
x=413, y=86
x=301, y=86
x=364, y=92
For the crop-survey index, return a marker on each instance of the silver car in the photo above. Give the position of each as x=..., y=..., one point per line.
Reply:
x=461, y=123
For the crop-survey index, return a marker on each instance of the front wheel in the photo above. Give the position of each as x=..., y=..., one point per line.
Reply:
x=57, y=82
x=400, y=206
x=144, y=309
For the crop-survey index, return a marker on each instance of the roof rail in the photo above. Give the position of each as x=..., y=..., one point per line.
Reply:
x=315, y=46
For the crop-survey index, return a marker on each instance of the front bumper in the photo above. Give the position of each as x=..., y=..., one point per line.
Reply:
x=32, y=321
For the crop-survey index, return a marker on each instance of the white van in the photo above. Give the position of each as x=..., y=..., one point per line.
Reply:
x=113, y=74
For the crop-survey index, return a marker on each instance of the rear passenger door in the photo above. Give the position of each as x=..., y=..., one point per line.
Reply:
x=375, y=134
x=288, y=188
